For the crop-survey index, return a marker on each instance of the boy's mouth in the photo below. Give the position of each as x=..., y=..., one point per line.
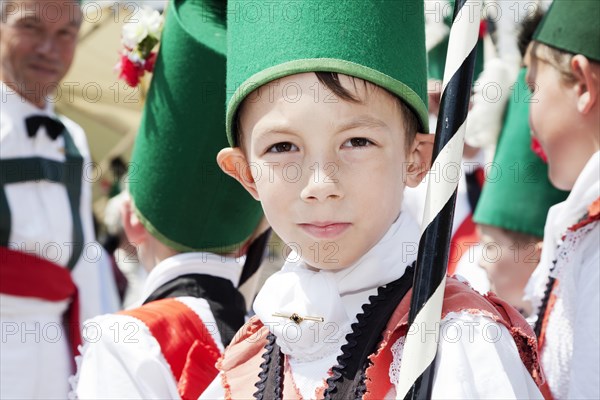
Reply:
x=326, y=229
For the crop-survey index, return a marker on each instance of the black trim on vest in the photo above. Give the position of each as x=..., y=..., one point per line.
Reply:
x=347, y=380
x=28, y=169
x=226, y=303
x=270, y=378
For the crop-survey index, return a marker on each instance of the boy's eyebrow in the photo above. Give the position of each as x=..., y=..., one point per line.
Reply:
x=362, y=121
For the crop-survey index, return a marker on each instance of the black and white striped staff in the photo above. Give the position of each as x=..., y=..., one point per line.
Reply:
x=418, y=358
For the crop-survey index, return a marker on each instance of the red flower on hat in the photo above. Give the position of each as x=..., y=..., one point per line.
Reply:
x=130, y=72
x=149, y=64
x=139, y=38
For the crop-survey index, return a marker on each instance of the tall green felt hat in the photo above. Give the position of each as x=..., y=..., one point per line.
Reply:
x=518, y=195
x=572, y=26
x=380, y=41
x=180, y=194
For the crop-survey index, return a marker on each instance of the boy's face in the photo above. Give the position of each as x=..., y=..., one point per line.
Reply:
x=558, y=122
x=330, y=173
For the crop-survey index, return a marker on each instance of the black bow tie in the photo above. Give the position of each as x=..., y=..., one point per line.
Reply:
x=53, y=126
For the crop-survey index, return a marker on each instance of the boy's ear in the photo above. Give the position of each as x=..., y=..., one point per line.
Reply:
x=134, y=229
x=587, y=83
x=234, y=163
x=419, y=158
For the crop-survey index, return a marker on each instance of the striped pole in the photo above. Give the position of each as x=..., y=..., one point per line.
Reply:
x=420, y=348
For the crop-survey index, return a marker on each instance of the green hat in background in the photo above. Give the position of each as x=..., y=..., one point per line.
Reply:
x=436, y=57
x=181, y=195
x=572, y=26
x=519, y=197
x=380, y=41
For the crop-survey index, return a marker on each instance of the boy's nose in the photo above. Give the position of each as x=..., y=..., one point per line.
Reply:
x=322, y=184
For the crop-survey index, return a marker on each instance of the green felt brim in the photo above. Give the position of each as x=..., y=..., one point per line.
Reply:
x=325, y=65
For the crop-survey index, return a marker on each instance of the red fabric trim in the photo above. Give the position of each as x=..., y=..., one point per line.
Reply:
x=185, y=342
x=464, y=238
x=482, y=28
x=546, y=316
x=480, y=176
x=458, y=297
x=593, y=215
x=26, y=275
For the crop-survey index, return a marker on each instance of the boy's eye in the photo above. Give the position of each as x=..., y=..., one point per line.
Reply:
x=357, y=142
x=282, y=147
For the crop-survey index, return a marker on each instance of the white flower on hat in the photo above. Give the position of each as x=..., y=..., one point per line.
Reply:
x=149, y=22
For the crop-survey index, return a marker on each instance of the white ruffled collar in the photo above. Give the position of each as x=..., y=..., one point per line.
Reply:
x=335, y=296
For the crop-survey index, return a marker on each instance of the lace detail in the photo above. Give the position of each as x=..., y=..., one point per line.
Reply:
x=557, y=353
x=397, y=351
x=568, y=247
x=74, y=379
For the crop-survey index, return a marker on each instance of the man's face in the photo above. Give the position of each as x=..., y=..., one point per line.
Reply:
x=329, y=173
x=37, y=44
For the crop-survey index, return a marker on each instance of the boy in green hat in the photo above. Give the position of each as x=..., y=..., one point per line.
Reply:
x=512, y=209
x=564, y=75
x=323, y=116
x=192, y=225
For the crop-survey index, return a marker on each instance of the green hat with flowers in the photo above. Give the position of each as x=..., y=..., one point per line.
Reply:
x=180, y=194
x=518, y=195
x=382, y=42
x=572, y=26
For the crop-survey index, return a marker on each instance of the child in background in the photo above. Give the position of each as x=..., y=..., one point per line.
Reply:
x=563, y=72
x=191, y=225
x=512, y=210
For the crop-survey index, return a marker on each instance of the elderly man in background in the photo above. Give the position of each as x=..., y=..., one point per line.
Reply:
x=49, y=274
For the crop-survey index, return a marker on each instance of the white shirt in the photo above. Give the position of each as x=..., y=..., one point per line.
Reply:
x=571, y=353
x=41, y=224
x=122, y=360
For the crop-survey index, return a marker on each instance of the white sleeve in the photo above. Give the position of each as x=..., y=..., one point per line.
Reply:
x=585, y=364
x=87, y=273
x=478, y=359
x=214, y=391
x=121, y=360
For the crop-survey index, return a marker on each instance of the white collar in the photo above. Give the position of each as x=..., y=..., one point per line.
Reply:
x=13, y=104
x=193, y=263
x=336, y=296
x=584, y=192
x=560, y=217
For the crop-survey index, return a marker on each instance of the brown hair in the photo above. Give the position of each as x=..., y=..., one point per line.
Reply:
x=560, y=60
x=332, y=82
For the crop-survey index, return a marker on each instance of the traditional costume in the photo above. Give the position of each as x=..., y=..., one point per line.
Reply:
x=167, y=348
x=340, y=334
x=50, y=277
x=564, y=287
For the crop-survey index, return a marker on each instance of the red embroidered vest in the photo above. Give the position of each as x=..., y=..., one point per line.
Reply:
x=240, y=365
